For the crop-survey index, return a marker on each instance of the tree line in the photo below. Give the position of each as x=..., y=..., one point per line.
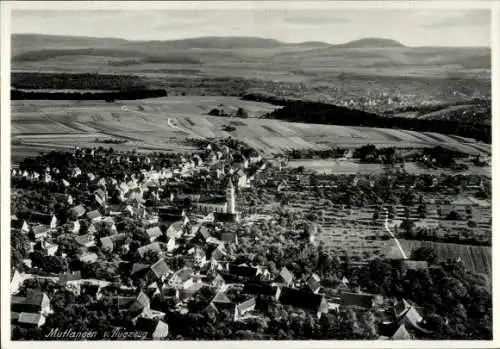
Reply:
x=322, y=113
x=64, y=81
x=107, y=96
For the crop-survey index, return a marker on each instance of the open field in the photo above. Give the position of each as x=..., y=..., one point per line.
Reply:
x=475, y=258
x=332, y=166
x=164, y=124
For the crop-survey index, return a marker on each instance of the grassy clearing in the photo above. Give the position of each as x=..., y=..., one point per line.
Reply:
x=476, y=258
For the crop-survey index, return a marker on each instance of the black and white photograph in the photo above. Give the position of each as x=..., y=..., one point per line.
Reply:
x=248, y=171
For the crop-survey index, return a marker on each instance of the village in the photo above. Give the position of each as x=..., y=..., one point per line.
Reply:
x=176, y=246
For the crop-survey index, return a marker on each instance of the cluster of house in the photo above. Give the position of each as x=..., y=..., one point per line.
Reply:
x=218, y=163
x=257, y=286
x=100, y=215
x=131, y=194
x=205, y=248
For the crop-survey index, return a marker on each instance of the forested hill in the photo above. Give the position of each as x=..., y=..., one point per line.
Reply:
x=321, y=113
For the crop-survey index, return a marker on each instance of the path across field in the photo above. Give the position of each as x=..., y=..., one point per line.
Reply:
x=166, y=123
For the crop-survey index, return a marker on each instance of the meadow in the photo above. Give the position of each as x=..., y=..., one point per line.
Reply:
x=475, y=258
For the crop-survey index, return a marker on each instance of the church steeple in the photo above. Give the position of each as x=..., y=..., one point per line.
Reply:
x=230, y=197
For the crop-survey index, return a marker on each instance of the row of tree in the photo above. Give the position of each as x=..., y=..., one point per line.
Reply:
x=322, y=113
x=106, y=96
x=74, y=81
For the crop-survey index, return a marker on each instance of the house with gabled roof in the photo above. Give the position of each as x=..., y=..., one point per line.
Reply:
x=88, y=257
x=405, y=265
x=401, y=333
x=245, y=307
x=203, y=233
x=358, y=300
x=257, y=288
x=186, y=293
x=255, y=158
x=152, y=247
x=169, y=215
x=405, y=317
x=130, y=210
x=199, y=258
x=101, y=194
x=62, y=197
x=46, y=219
x=149, y=222
x=285, y=277
x=217, y=282
x=243, y=271
x=168, y=291
x=91, y=290
x=159, y=271
x=70, y=277
x=229, y=237
x=76, y=211
x=107, y=243
x=140, y=304
x=221, y=298
x=406, y=314
x=175, y=230
x=49, y=249
x=241, y=179
x=155, y=329
x=139, y=270
x=85, y=240
x=214, y=241
x=91, y=229
x=30, y=319
x=153, y=233
x=182, y=279
x=35, y=301
x=304, y=300
x=228, y=307
x=171, y=245
x=100, y=201
x=21, y=225
x=94, y=215
x=16, y=282
x=101, y=182
x=222, y=302
x=314, y=283
x=40, y=231
x=73, y=227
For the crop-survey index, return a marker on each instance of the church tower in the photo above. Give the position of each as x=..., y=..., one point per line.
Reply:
x=230, y=198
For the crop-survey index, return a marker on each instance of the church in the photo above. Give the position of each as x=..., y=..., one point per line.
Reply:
x=230, y=215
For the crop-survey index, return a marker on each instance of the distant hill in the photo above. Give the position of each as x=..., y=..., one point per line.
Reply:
x=229, y=42
x=28, y=42
x=371, y=43
x=303, y=70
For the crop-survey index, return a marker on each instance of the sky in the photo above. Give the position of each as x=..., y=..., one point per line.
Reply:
x=412, y=27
